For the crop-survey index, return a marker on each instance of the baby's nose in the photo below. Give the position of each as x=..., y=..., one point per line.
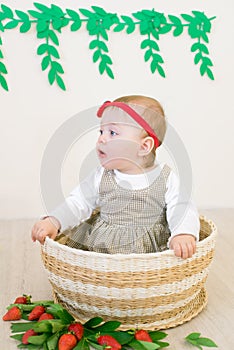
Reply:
x=102, y=138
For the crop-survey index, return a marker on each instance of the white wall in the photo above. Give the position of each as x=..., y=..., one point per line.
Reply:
x=200, y=110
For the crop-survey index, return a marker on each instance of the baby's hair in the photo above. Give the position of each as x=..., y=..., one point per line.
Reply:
x=152, y=111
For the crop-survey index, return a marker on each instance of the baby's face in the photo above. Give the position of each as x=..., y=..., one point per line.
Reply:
x=119, y=142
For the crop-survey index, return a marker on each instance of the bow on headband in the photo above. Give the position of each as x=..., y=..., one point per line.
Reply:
x=132, y=114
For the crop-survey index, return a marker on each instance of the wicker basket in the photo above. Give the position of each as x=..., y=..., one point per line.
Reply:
x=154, y=290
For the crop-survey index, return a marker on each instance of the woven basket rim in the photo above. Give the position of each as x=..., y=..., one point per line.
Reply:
x=118, y=256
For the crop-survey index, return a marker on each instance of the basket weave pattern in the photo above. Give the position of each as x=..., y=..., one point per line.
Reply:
x=154, y=290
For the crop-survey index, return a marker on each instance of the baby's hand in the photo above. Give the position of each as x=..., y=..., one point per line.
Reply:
x=47, y=227
x=184, y=245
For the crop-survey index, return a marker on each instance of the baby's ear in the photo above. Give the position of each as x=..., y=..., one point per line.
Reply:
x=147, y=144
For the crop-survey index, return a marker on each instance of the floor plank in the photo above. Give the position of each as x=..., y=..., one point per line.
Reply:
x=21, y=271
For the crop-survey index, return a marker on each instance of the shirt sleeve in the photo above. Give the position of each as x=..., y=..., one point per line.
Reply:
x=182, y=214
x=81, y=202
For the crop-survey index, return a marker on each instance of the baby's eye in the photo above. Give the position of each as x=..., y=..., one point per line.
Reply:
x=113, y=133
x=101, y=132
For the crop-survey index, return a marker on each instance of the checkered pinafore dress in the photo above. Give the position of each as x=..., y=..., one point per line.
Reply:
x=129, y=221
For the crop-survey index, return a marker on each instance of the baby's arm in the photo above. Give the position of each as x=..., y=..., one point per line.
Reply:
x=47, y=227
x=184, y=245
x=77, y=207
x=183, y=219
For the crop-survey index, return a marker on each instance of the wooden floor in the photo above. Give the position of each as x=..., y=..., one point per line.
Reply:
x=21, y=272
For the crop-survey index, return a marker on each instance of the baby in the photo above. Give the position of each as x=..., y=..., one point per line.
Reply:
x=140, y=209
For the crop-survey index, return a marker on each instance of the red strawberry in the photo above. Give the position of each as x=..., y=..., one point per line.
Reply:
x=77, y=329
x=45, y=316
x=36, y=312
x=28, y=334
x=141, y=334
x=25, y=299
x=67, y=342
x=110, y=342
x=13, y=314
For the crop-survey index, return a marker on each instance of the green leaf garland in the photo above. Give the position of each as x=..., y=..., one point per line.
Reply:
x=49, y=21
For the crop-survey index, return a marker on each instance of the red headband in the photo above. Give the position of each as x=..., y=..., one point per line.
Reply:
x=134, y=115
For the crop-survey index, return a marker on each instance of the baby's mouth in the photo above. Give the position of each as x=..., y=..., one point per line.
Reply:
x=101, y=154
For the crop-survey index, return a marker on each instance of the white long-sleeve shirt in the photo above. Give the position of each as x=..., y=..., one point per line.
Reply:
x=182, y=215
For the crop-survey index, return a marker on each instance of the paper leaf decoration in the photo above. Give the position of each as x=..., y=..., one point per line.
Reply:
x=49, y=21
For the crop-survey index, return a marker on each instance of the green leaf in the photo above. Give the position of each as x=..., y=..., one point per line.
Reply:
x=42, y=49
x=206, y=342
x=187, y=18
x=203, y=69
x=178, y=30
x=73, y=14
x=45, y=62
x=121, y=336
x=207, y=61
x=42, y=8
x=109, y=72
x=144, y=27
x=102, y=46
x=57, y=66
x=22, y=15
x=22, y=326
x=96, y=346
x=25, y=27
x=42, y=25
x=93, y=322
x=162, y=344
x=149, y=346
x=57, y=23
x=60, y=82
x=175, y=20
x=38, y=15
x=197, y=58
x=53, y=37
x=193, y=336
x=75, y=26
x=53, y=51
x=161, y=71
x=140, y=15
x=87, y=13
x=51, y=76
x=199, y=46
x=196, y=340
x=131, y=25
x=137, y=345
x=38, y=339
x=57, y=11
x=147, y=55
x=53, y=340
x=107, y=59
x=3, y=68
x=103, y=33
x=82, y=345
x=109, y=325
x=99, y=10
x=154, y=45
x=165, y=29
x=7, y=11
x=42, y=326
x=205, y=37
x=96, y=56
x=209, y=73
x=157, y=335
x=92, y=26
x=3, y=83
x=145, y=43
x=18, y=336
x=11, y=24
x=119, y=27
